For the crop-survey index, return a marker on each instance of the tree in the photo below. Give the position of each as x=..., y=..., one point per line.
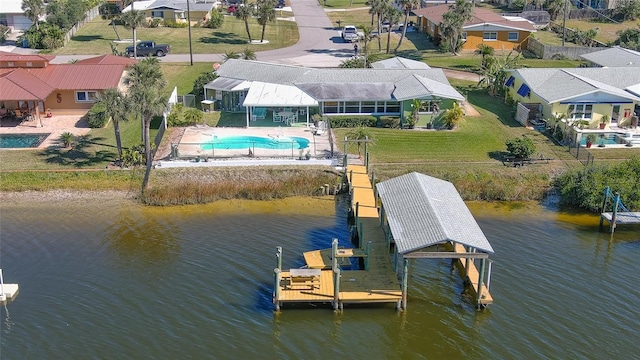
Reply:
x=377, y=8
x=452, y=22
x=249, y=54
x=244, y=13
x=66, y=14
x=407, y=6
x=484, y=50
x=360, y=62
x=555, y=8
x=132, y=20
x=521, y=147
x=230, y=55
x=628, y=9
x=629, y=38
x=452, y=117
x=201, y=81
x=33, y=9
x=362, y=134
x=367, y=36
x=146, y=81
x=111, y=12
x=117, y=108
x=266, y=13
x=392, y=15
x=495, y=73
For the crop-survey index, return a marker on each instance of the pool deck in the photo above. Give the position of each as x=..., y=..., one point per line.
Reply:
x=72, y=122
x=194, y=137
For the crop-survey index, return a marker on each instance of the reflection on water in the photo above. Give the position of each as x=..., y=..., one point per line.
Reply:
x=105, y=279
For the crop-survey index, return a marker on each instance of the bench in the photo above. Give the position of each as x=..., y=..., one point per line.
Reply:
x=305, y=277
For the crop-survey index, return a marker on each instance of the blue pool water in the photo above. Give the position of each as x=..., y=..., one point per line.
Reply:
x=245, y=142
x=604, y=138
x=19, y=141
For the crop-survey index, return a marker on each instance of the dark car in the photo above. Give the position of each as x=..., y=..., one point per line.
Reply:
x=148, y=48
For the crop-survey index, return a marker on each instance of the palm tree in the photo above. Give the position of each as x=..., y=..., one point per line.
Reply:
x=377, y=8
x=111, y=12
x=367, y=36
x=484, y=50
x=266, y=13
x=392, y=15
x=494, y=74
x=452, y=22
x=33, y=9
x=117, y=109
x=132, y=20
x=230, y=55
x=452, y=117
x=361, y=134
x=407, y=6
x=146, y=82
x=244, y=13
x=249, y=54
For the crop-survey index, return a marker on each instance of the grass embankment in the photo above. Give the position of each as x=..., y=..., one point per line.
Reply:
x=203, y=185
x=95, y=37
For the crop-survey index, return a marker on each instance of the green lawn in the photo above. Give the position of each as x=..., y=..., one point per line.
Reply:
x=183, y=75
x=342, y=4
x=95, y=37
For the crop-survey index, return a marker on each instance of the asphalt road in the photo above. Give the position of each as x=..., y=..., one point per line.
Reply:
x=319, y=45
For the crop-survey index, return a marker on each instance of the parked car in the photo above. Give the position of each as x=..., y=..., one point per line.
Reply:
x=349, y=33
x=148, y=48
x=385, y=27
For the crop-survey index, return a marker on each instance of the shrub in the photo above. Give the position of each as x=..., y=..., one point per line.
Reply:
x=585, y=187
x=135, y=156
x=67, y=139
x=391, y=122
x=215, y=21
x=4, y=31
x=521, y=147
x=200, y=82
x=154, y=23
x=97, y=116
x=176, y=117
x=174, y=24
x=193, y=116
x=353, y=121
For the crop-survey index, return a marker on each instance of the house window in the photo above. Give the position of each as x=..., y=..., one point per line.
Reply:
x=330, y=107
x=432, y=26
x=352, y=107
x=490, y=36
x=580, y=111
x=10, y=64
x=368, y=107
x=85, y=96
x=524, y=91
x=512, y=36
x=29, y=64
x=510, y=82
x=157, y=14
x=464, y=35
x=393, y=107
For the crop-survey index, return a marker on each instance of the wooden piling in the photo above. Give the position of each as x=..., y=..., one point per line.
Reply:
x=405, y=283
x=616, y=203
x=336, y=288
x=480, y=282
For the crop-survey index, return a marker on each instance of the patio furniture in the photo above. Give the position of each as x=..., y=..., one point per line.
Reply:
x=277, y=117
x=260, y=113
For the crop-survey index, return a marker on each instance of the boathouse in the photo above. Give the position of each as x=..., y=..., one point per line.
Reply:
x=425, y=218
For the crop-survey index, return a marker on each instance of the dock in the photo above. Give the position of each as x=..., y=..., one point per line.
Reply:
x=410, y=217
x=8, y=292
x=619, y=215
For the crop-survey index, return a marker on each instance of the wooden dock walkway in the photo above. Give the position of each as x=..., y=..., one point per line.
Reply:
x=471, y=276
x=620, y=214
x=378, y=283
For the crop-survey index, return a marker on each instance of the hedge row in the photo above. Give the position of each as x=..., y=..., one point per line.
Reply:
x=97, y=116
x=352, y=121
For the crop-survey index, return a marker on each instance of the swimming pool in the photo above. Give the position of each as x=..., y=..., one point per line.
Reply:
x=21, y=141
x=246, y=142
x=608, y=138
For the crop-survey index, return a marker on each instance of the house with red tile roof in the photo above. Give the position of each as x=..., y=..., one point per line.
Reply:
x=31, y=84
x=485, y=27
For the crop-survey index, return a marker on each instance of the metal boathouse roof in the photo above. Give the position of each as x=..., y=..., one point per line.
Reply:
x=424, y=211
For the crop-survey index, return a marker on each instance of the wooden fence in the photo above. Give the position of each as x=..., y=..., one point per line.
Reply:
x=88, y=16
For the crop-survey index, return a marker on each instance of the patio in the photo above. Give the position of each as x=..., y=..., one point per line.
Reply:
x=72, y=122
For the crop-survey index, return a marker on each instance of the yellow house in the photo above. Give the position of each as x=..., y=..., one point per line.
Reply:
x=485, y=27
x=587, y=94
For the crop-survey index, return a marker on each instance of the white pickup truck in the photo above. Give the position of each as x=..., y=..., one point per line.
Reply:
x=349, y=33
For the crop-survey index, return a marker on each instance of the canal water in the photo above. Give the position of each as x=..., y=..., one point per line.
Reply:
x=110, y=279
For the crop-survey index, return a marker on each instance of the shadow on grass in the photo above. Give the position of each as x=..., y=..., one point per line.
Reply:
x=224, y=38
x=498, y=155
x=228, y=119
x=410, y=54
x=86, y=38
x=480, y=99
x=80, y=155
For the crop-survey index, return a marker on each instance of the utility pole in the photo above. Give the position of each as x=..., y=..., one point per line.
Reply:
x=189, y=27
x=564, y=22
